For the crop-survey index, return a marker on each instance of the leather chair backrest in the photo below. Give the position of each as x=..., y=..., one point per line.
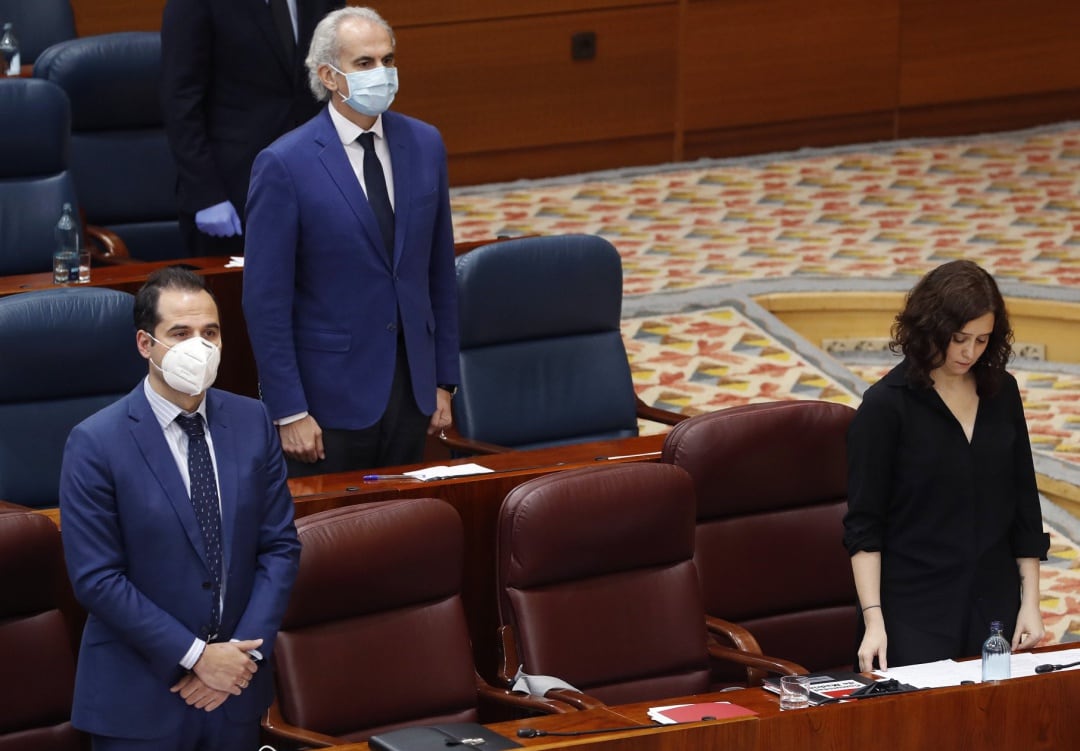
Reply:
x=375, y=636
x=38, y=24
x=66, y=354
x=34, y=179
x=35, y=644
x=771, y=485
x=596, y=576
x=124, y=171
x=542, y=357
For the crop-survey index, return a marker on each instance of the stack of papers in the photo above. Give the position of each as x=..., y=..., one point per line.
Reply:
x=953, y=673
x=442, y=472
x=710, y=710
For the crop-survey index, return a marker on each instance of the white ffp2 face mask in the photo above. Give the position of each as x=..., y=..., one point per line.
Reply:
x=190, y=366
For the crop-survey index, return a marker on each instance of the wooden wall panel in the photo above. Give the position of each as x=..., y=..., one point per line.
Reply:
x=551, y=161
x=962, y=50
x=761, y=61
x=426, y=12
x=106, y=16
x=678, y=79
x=501, y=85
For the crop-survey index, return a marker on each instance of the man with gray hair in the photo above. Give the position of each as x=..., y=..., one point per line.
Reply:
x=349, y=284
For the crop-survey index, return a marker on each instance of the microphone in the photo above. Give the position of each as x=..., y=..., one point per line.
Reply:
x=536, y=732
x=1048, y=668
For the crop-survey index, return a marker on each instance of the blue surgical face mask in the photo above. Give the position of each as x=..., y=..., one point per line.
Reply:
x=371, y=92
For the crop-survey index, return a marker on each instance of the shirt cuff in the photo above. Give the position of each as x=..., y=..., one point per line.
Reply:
x=291, y=419
x=252, y=653
x=187, y=662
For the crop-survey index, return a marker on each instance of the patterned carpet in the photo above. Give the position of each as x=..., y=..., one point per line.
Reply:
x=698, y=240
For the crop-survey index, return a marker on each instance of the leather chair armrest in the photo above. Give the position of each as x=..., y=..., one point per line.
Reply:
x=655, y=414
x=274, y=725
x=13, y=508
x=747, y=652
x=742, y=639
x=575, y=699
x=526, y=704
x=107, y=247
x=508, y=667
x=453, y=440
x=508, y=656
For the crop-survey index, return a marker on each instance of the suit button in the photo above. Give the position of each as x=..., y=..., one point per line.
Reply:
x=391, y=327
x=206, y=585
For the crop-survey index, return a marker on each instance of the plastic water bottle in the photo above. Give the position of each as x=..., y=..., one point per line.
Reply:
x=9, y=48
x=66, y=257
x=995, y=655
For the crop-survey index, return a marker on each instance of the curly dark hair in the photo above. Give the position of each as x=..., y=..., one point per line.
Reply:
x=942, y=302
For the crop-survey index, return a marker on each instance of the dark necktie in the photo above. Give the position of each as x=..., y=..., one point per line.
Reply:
x=204, y=499
x=279, y=9
x=377, y=195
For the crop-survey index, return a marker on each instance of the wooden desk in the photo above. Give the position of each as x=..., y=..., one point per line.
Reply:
x=477, y=500
x=739, y=734
x=1036, y=713
x=237, y=371
x=1031, y=713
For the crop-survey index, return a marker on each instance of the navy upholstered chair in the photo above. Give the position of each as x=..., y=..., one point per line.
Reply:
x=375, y=637
x=34, y=179
x=542, y=357
x=120, y=159
x=67, y=353
x=36, y=633
x=597, y=586
x=38, y=24
x=768, y=478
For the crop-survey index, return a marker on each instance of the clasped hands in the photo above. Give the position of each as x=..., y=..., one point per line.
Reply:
x=224, y=669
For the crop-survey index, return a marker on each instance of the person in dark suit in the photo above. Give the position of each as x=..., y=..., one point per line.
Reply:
x=232, y=80
x=349, y=285
x=179, y=541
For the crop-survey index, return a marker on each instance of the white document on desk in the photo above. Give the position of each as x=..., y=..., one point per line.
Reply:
x=442, y=472
x=953, y=673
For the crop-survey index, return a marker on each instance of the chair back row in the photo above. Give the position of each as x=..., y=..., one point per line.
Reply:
x=600, y=573
x=123, y=168
x=87, y=130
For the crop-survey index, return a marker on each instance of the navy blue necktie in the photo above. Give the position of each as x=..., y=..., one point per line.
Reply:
x=204, y=499
x=377, y=195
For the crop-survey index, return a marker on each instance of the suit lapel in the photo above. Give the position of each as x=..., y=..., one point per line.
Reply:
x=332, y=156
x=151, y=442
x=259, y=11
x=401, y=164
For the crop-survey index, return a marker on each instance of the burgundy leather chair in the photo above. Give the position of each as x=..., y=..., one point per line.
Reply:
x=771, y=487
x=37, y=653
x=597, y=586
x=375, y=637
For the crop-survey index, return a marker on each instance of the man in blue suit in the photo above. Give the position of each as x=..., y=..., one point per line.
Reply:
x=179, y=540
x=349, y=283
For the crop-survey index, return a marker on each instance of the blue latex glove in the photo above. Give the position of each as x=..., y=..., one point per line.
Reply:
x=220, y=220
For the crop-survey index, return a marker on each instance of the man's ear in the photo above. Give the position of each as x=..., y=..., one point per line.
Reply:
x=326, y=75
x=143, y=342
